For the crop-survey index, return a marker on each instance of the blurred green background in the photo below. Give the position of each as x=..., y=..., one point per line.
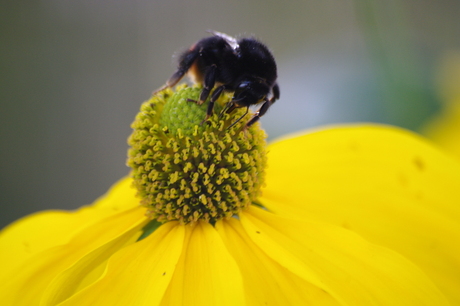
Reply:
x=74, y=73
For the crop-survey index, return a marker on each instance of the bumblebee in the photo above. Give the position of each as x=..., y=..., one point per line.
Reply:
x=245, y=67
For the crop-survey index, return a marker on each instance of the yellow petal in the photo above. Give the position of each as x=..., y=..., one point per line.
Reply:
x=37, y=232
x=206, y=273
x=266, y=282
x=26, y=284
x=139, y=274
x=388, y=185
x=341, y=263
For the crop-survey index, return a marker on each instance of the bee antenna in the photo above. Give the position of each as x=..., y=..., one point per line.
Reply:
x=225, y=109
x=239, y=119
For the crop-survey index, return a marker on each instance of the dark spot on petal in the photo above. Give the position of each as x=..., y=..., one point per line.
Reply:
x=419, y=164
x=346, y=225
x=403, y=180
x=27, y=248
x=257, y=232
x=164, y=273
x=354, y=146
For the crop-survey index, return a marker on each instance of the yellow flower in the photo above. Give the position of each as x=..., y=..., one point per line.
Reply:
x=355, y=215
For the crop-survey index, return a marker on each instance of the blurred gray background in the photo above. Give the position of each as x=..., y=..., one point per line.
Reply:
x=74, y=73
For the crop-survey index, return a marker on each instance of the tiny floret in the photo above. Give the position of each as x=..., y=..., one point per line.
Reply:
x=187, y=169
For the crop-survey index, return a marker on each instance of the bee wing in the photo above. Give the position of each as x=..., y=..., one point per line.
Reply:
x=230, y=40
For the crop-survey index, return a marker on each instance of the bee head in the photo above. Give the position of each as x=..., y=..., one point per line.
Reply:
x=251, y=91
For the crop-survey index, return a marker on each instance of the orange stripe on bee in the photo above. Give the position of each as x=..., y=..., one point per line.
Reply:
x=195, y=74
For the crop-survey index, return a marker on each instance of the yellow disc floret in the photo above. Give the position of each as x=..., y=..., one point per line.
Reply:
x=185, y=169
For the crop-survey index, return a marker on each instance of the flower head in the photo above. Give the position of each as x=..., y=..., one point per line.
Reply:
x=357, y=215
x=186, y=170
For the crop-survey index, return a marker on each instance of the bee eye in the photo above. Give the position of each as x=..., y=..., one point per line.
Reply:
x=243, y=85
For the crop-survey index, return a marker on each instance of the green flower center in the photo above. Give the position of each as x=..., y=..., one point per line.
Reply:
x=187, y=170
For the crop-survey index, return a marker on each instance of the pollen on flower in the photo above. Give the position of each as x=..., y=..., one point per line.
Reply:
x=188, y=170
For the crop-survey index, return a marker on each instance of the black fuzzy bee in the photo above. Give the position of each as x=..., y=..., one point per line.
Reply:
x=245, y=67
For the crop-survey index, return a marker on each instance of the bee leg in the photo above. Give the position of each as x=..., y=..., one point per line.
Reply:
x=209, y=82
x=215, y=95
x=276, y=94
x=185, y=62
x=230, y=107
x=262, y=110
